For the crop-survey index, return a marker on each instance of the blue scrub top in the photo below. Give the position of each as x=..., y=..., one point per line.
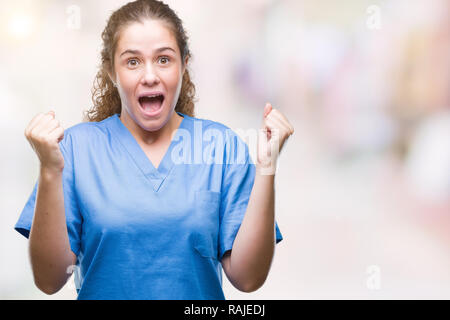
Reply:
x=141, y=232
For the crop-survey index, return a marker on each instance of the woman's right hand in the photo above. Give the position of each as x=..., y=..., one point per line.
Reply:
x=44, y=134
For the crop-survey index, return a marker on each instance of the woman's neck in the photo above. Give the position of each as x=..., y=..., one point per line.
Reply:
x=152, y=137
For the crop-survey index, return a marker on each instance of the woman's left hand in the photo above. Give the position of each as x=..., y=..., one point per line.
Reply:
x=275, y=130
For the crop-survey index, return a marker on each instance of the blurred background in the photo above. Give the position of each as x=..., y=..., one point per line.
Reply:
x=363, y=186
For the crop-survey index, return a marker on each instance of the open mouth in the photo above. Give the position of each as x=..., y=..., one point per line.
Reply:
x=151, y=103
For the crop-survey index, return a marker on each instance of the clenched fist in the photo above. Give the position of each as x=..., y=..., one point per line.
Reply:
x=44, y=134
x=275, y=130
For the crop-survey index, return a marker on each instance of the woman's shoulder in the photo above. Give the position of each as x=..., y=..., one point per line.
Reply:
x=89, y=126
x=87, y=130
x=234, y=140
x=210, y=124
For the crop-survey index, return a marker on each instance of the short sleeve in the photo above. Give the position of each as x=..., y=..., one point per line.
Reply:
x=72, y=212
x=237, y=183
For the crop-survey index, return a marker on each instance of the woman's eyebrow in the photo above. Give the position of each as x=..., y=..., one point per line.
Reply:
x=137, y=52
x=163, y=49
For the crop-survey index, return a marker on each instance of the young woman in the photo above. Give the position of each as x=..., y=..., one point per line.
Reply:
x=130, y=199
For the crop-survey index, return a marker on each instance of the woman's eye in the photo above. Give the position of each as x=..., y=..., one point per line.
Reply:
x=165, y=59
x=132, y=63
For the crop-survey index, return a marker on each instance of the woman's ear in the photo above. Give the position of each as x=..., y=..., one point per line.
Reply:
x=186, y=60
x=112, y=78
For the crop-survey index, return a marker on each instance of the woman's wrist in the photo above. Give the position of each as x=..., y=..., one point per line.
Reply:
x=266, y=168
x=50, y=173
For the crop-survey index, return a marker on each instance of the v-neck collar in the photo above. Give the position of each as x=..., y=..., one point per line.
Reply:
x=155, y=176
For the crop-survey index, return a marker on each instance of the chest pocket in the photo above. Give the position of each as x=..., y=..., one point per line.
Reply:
x=207, y=205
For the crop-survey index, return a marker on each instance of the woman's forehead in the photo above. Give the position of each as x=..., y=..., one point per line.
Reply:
x=146, y=37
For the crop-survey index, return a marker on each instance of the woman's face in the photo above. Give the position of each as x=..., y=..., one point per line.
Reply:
x=147, y=62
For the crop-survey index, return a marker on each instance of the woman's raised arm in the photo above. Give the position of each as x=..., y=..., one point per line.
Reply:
x=49, y=246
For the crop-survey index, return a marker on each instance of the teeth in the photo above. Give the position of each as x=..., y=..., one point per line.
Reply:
x=153, y=96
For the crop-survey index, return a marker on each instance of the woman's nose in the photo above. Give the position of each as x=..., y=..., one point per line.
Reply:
x=149, y=76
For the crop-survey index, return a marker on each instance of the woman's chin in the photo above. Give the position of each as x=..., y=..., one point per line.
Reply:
x=153, y=123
